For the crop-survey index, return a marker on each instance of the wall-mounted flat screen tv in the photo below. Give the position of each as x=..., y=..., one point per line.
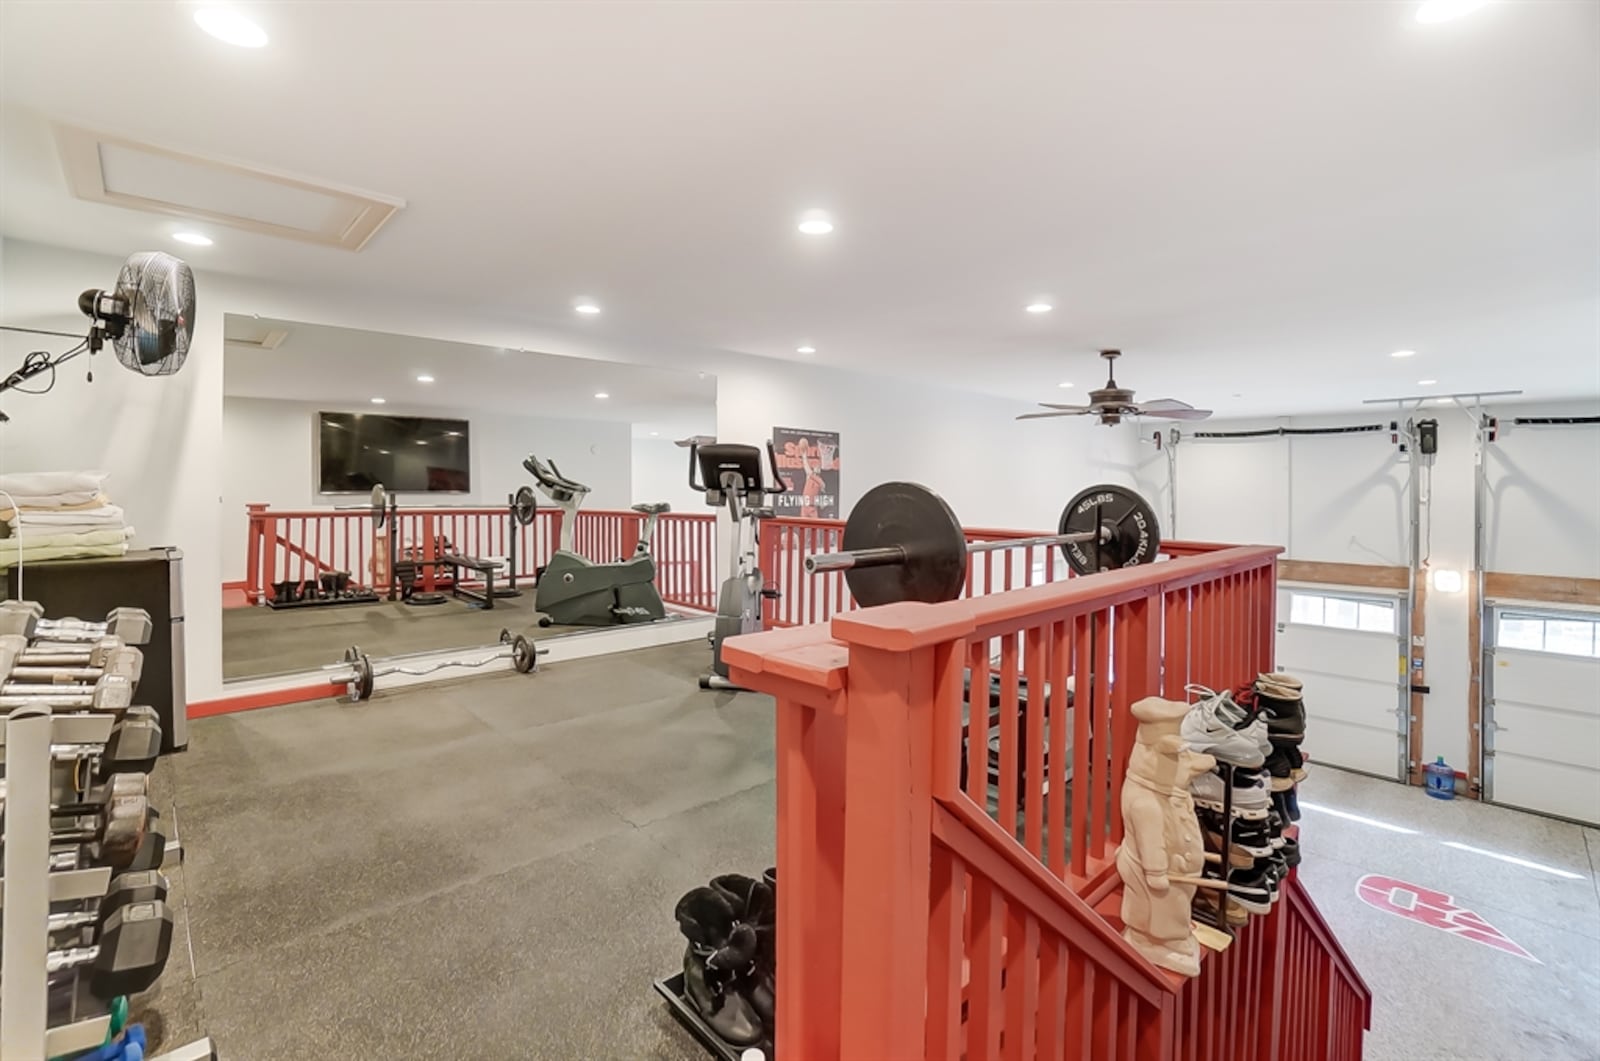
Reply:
x=407, y=454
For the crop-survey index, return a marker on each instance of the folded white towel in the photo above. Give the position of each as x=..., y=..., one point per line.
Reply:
x=8, y=556
x=23, y=485
x=62, y=537
x=69, y=499
x=105, y=514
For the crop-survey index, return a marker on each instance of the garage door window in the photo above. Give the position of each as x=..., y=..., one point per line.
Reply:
x=1343, y=613
x=1560, y=635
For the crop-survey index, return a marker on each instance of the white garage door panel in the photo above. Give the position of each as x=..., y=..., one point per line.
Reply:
x=1537, y=732
x=1546, y=733
x=1550, y=788
x=1569, y=683
x=1351, y=695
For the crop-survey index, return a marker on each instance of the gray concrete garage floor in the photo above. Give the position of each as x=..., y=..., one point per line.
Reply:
x=479, y=869
x=263, y=641
x=487, y=869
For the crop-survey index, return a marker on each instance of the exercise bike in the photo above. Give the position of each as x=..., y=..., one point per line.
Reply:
x=574, y=591
x=731, y=474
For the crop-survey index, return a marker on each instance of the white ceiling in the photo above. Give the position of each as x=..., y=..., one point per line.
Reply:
x=342, y=367
x=1258, y=201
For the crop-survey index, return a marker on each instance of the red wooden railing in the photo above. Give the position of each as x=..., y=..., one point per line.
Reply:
x=301, y=545
x=949, y=884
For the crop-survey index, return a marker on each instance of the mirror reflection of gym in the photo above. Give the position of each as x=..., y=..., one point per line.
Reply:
x=406, y=495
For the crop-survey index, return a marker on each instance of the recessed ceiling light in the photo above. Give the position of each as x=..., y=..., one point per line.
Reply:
x=1064, y=384
x=1426, y=382
x=653, y=434
x=1404, y=353
x=422, y=442
x=377, y=401
x=805, y=349
x=587, y=308
x=601, y=394
x=194, y=239
x=453, y=434
x=1040, y=307
x=229, y=26
x=384, y=452
x=424, y=378
x=1445, y=10
x=815, y=223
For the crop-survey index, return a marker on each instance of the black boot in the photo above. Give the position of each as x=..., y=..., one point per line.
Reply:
x=721, y=950
x=753, y=904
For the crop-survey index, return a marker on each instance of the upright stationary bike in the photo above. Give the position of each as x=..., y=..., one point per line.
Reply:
x=575, y=591
x=731, y=474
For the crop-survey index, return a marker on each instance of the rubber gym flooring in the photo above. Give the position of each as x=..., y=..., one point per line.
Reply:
x=487, y=868
x=484, y=868
x=262, y=641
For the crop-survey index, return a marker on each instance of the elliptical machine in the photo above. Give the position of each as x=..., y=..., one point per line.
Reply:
x=575, y=591
x=731, y=474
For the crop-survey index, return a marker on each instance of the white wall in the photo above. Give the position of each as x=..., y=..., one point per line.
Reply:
x=1342, y=498
x=993, y=470
x=661, y=473
x=268, y=458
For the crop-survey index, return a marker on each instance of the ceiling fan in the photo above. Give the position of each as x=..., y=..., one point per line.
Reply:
x=1111, y=403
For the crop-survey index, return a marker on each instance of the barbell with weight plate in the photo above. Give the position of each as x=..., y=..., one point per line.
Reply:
x=363, y=671
x=902, y=542
x=524, y=505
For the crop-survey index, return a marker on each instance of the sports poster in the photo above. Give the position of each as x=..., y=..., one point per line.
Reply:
x=809, y=464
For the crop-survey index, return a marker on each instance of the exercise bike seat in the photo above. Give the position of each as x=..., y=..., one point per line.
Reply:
x=652, y=508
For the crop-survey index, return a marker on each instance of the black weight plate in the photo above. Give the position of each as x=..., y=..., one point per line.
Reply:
x=918, y=520
x=1125, y=526
x=380, y=506
x=522, y=656
x=525, y=506
x=361, y=680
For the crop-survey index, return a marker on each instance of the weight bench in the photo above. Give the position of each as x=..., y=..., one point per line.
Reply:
x=486, y=568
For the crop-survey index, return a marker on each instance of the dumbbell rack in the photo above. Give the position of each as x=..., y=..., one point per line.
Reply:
x=28, y=887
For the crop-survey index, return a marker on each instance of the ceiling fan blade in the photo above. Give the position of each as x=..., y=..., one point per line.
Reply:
x=1068, y=408
x=1163, y=405
x=1062, y=412
x=1175, y=414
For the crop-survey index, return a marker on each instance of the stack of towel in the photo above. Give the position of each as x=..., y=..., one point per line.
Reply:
x=57, y=516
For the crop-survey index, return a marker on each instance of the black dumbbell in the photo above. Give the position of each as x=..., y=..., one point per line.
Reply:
x=151, y=854
x=142, y=886
x=132, y=748
x=127, y=956
x=119, y=833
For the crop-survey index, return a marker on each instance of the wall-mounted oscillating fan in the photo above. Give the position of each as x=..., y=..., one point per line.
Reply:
x=1111, y=403
x=148, y=316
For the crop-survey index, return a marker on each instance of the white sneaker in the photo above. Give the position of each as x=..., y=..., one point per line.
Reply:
x=1249, y=800
x=1209, y=728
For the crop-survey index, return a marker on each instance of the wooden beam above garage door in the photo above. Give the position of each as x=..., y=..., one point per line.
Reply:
x=1547, y=589
x=1366, y=576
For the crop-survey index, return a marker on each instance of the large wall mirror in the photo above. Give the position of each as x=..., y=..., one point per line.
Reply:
x=404, y=495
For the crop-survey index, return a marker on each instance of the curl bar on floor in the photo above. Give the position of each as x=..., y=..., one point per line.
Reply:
x=361, y=671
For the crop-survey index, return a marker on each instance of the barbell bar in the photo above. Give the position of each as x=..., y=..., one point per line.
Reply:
x=360, y=672
x=902, y=542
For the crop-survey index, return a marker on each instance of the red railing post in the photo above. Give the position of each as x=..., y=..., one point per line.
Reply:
x=253, y=588
x=429, y=550
x=888, y=806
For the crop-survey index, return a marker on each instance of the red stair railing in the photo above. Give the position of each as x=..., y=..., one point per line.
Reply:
x=977, y=845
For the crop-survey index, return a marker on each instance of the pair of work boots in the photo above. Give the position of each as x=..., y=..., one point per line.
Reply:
x=730, y=963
